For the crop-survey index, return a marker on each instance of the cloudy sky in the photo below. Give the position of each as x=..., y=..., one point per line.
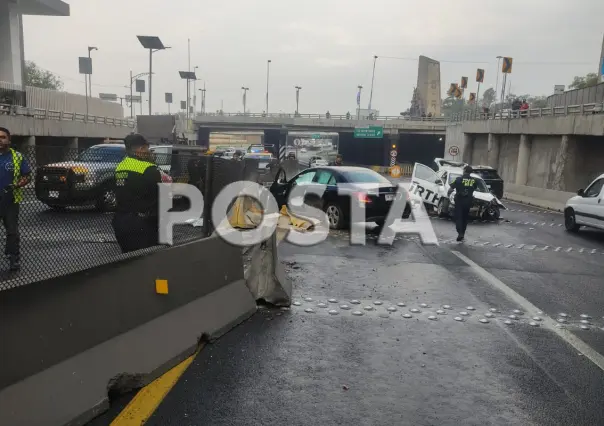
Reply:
x=325, y=46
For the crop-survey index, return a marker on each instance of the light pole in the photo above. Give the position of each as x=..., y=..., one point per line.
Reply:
x=359, y=102
x=132, y=79
x=497, y=81
x=372, y=78
x=245, y=89
x=195, y=93
x=268, y=71
x=154, y=44
x=203, y=99
x=90, y=49
x=298, y=88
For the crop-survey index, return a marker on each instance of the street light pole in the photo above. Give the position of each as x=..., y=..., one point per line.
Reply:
x=195, y=93
x=268, y=70
x=297, y=99
x=131, y=100
x=359, y=102
x=245, y=89
x=497, y=81
x=372, y=78
x=90, y=48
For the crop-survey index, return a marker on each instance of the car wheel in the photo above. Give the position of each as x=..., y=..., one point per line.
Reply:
x=570, y=221
x=107, y=199
x=335, y=215
x=492, y=213
x=443, y=208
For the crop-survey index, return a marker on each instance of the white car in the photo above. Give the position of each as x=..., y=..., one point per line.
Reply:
x=303, y=150
x=586, y=208
x=432, y=187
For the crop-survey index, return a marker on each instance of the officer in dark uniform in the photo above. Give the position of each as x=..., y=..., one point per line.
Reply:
x=464, y=187
x=136, y=218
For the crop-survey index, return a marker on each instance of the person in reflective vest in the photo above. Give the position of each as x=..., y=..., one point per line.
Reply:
x=15, y=173
x=135, y=222
x=464, y=187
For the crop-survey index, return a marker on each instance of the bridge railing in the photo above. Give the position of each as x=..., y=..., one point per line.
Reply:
x=48, y=114
x=352, y=117
x=559, y=111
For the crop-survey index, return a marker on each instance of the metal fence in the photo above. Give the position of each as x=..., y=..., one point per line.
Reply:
x=588, y=95
x=472, y=114
x=65, y=217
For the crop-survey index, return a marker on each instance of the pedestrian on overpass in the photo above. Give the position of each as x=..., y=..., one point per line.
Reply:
x=464, y=187
x=338, y=161
x=15, y=173
x=136, y=218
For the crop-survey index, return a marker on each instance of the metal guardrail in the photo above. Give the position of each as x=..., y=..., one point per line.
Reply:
x=324, y=116
x=596, y=108
x=46, y=114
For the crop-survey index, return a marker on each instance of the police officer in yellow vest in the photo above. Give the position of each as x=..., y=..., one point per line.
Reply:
x=15, y=173
x=464, y=187
x=136, y=218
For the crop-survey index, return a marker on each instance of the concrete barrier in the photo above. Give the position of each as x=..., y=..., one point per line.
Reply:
x=539, y=197
x=67, y=342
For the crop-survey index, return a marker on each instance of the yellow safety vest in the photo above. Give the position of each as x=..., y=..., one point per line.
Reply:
x=17, y=161
x=130, y=164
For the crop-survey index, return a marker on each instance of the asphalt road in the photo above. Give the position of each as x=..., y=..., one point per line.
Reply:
x=333, y=366
x=54, y=242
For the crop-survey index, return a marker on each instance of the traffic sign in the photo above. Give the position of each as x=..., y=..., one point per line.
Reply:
x=458, y=93
x=507, y=66
x=393, y=153
x=108, y=96
x=316, y=136
x=479, y=75
x=464, y=82
x=453, y=150
x=472, y=97
x=452, y=88
x=374, y=132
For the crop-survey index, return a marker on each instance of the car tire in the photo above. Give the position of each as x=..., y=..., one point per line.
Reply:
x=443, y=208
x=492, y=214
x=570, y=221
x=106, y=201
x=335, y=215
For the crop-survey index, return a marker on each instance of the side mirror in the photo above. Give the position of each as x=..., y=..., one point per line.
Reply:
x=438, y=182
x=581, y=192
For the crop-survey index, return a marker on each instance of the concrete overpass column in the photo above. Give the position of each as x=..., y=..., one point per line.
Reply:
x=11, y=43
x=493, y=147
x=563, y=164
x=203, y=137
x=468, y=147
x=524, y=154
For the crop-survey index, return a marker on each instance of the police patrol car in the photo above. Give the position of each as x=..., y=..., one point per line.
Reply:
x=432, y=187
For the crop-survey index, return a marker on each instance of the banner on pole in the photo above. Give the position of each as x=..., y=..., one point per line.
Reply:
x=464, y=82
x=479, y=75
x=507, y=66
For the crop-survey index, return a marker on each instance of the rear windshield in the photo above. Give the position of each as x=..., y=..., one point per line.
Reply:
x=487, y=174
x=362, y=176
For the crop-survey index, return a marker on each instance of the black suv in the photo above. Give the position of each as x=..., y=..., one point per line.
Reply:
x=491, y=178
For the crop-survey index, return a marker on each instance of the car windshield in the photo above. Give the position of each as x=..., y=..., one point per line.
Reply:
x=488, y=174
x=481, y=186
x=364, y=176
x=108, y=154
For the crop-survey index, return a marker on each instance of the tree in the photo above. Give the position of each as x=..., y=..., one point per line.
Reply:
x=451, y=106
x=38, y=77
x=589, y=80
x=489, y=97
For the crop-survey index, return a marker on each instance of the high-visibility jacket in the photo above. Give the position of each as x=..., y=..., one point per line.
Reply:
x=17, y=161
x=136, y=186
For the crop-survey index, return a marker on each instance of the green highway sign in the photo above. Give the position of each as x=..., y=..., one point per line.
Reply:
x=316, y=136
x=369, y=132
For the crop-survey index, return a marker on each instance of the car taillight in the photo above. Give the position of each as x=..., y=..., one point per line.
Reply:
x=362, y=197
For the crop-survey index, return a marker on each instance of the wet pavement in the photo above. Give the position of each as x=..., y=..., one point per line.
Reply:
x=485, y=332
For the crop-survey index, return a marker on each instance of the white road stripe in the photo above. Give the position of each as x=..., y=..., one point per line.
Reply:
x=526, y=223
x=508, y=245
x=496, y=244
x=558, y=248
x=485, y=244
x=520, y=246
x=548, y=322
x=531, y=247
x=568, y=250
x=543, y=224
x=545, y=248
x=593, y=251
x=581, y=250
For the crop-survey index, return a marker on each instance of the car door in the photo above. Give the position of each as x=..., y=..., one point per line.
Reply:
x=426, y=184
x=590, y=210
x=304, y=178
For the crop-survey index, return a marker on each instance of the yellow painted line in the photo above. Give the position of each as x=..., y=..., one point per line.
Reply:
x=146, y=401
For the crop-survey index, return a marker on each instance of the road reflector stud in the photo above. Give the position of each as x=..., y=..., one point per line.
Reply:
x=161, y=286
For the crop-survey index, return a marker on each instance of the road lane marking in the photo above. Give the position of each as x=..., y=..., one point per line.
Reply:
x=146, y=401
x=558, y=248
x=525, y=304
